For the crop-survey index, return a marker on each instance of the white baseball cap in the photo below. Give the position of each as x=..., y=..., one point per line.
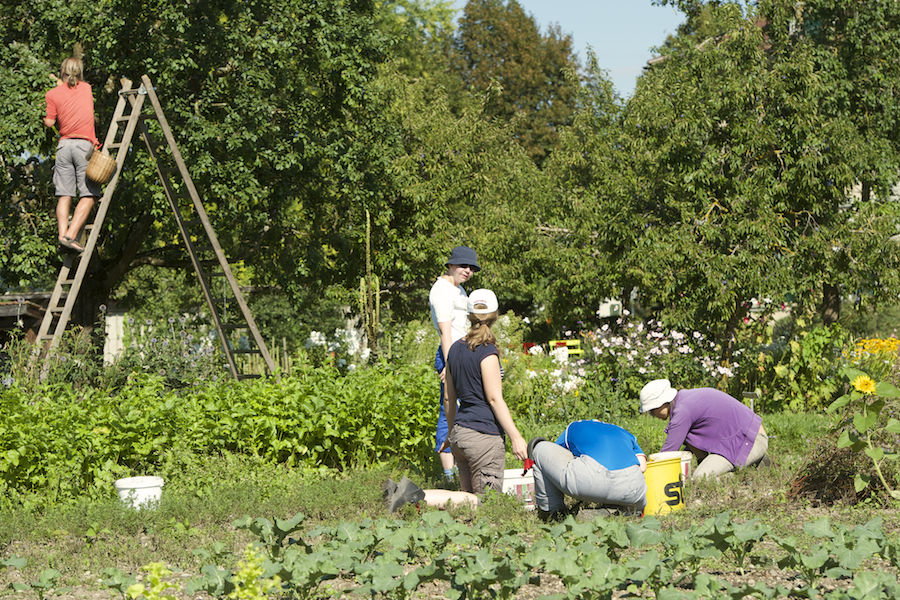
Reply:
x=656, y=393
x=482, y=302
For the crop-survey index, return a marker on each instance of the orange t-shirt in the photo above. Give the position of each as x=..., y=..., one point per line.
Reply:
x=73, y=109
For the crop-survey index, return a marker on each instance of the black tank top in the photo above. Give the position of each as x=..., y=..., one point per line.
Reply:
x=465, y=367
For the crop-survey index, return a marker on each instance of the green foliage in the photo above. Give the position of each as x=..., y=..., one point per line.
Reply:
x=78, y=442
x=420, y=30
x=270, y=104
x=794, y=365
x=393, y=558
x=458, y=178
x=249, y=580
x=582, y=224
x=156, y=585
x=870, y=424
x=45, y=583
x=78, y=361
x=180, y=350
x=732, y=172
x=527, y=77
x=733, y=538
x=838, y=553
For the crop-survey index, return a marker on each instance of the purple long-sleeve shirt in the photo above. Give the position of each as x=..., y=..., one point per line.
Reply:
x=712, y=421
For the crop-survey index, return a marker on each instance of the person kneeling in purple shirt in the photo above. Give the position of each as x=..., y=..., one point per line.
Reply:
x=720, y=431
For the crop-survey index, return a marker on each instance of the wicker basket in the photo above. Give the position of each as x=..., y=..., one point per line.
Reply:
x=100, y=167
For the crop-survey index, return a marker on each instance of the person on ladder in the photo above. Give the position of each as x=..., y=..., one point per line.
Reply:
x=70, y=105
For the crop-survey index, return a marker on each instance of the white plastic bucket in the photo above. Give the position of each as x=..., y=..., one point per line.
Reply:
x=140, y=492
x=520, y=486
x=682, y=454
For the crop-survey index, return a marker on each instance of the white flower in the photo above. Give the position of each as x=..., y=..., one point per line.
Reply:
x=535, y=350
x=697, y=335
x=560, y=354
x=316, y=338
x=724, y=371
x=526, y=320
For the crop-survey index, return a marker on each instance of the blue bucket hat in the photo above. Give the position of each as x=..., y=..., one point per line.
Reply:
x=463, y=255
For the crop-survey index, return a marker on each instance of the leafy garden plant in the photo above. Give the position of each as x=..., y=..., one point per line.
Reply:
x=870, y=425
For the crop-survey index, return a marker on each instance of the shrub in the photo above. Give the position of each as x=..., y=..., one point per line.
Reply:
x=793, y=365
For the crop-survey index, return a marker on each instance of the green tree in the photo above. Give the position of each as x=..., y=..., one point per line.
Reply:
x=529, y=78
x=457, y=178
x=419, y=31
x=270, y=105
x=582, y=229
x=743, y=157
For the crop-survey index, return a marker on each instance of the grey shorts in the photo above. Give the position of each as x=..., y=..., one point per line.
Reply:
x=480, y=458
x=70, y=167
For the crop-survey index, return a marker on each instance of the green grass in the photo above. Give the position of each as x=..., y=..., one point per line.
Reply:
x=81, y=538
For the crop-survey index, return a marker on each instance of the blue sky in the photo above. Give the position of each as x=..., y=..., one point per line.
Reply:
x=621, y=32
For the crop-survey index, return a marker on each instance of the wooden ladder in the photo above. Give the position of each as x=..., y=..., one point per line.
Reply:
x=193, y=224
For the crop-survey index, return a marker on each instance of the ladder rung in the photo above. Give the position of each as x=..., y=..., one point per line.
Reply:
x=233, y=326
x=245, y=351
x=248, y=376
x=113, y=146
x=56, y=309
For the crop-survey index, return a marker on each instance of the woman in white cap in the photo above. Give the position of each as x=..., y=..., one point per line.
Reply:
x=478, y=426
x=448, y=303
x=720, y=431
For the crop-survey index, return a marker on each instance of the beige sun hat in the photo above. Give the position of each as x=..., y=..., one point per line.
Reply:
x=656, y=393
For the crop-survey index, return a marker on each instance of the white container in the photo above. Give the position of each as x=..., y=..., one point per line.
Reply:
x=685, y=457
x=521, y=486
x=140, y=492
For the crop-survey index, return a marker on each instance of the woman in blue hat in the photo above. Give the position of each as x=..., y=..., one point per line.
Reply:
x=449, y=314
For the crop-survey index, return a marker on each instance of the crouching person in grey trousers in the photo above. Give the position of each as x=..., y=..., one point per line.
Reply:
x=591, y=461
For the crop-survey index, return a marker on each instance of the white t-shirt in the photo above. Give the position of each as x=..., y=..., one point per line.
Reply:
x=449, y=303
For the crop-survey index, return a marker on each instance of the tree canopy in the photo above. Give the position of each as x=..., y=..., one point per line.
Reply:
x=755, y=159
x=530, y=78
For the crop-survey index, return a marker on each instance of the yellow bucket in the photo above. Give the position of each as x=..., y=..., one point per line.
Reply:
x=665, y=486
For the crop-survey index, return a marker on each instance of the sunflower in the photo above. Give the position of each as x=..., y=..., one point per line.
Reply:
x=864, y=384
